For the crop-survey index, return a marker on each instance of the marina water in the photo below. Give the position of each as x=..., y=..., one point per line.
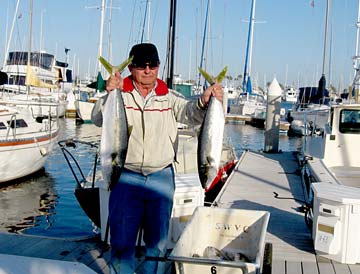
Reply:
x=45, y=204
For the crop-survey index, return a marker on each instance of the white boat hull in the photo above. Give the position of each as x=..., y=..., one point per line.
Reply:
x=25, y=147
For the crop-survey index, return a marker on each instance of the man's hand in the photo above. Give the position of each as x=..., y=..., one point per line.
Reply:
x=215, y=90
x=115, y=81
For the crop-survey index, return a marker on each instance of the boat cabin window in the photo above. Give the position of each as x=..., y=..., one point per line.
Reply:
x=350, y=121
x=2, y=125
x=17, y=80
x=38, y=59
x=17, y=123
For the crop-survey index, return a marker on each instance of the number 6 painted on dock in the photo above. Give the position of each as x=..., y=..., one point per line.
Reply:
x=213, y=269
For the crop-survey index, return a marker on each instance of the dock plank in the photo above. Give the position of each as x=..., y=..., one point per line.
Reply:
x=326, y=268
x=341, y=268
x=278, y=266
x=310, y=268
x=293, y=268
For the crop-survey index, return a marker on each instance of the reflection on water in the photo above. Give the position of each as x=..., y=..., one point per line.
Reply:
x=21, y=205
x=46, y=205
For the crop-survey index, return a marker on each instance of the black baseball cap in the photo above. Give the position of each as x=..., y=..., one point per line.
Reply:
x=144, y=53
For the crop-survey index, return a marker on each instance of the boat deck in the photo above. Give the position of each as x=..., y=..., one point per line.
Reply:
x=345, y=175
x=272, y=182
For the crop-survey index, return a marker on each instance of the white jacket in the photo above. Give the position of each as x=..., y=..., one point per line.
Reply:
x=153, y=138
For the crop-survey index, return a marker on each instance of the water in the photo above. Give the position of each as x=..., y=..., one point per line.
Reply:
x=45, y=204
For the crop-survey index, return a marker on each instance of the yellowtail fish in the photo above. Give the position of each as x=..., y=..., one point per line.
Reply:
x=211, y=137
x=114, y=134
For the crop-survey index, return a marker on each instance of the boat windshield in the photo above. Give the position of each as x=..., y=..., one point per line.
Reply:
x=38, y=59
x=350, y=121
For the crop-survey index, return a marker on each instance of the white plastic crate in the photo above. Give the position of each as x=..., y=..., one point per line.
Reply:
x=236, y=231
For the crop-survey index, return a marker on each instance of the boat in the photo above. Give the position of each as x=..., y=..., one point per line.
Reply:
x=25, y=140
x=330, y=154
x=311, y=111
x=84, y=105
x=45, y=80
x=250, y=102
x=312, y=108
x=290, y=95
x=333, y=150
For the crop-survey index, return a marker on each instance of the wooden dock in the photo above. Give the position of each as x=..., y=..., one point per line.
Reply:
x=256, y=179
x=257, y=122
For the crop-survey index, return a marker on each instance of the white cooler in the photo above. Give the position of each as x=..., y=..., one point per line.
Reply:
x=336, y=222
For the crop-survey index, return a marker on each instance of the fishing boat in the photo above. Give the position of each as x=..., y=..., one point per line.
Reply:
x=332, y=152
x=25, y=140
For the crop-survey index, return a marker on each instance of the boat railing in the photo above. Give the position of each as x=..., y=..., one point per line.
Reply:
x=73, y=163
x=13, y=129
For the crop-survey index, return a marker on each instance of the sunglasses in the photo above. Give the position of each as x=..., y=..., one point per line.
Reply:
x=141, y=66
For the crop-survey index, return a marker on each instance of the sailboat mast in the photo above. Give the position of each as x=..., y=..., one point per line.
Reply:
x=326, y=34
x=356, y=58
x=247, y=67
x=322, y=81
x=203, y=41
x=171, y=45
x=29, y=45
x=101, y=31
x=11, y=32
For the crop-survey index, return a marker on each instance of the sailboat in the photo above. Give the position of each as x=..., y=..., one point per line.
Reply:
x=312, y=108
x=250, y=102
x=26, y=140
x=84, y=107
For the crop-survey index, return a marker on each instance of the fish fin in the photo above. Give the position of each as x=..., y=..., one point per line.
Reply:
x=210, y=79
x=113, y=69
x=123, y=65
x=222, y=74
x=106, y=64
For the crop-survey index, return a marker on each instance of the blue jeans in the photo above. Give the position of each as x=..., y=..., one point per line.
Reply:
x=140, y=200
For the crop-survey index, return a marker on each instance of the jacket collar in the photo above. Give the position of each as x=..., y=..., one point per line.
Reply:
x=161, y=87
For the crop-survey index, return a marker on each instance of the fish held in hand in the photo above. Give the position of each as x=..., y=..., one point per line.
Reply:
x=114, y=138
x=210, y=143
x=211, y=135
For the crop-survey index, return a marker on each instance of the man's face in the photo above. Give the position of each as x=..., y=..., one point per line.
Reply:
x=145, y=74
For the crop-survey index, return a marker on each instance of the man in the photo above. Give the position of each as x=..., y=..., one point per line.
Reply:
x=144, y=192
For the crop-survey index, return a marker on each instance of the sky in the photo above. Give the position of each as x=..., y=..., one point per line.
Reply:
x=288, y=38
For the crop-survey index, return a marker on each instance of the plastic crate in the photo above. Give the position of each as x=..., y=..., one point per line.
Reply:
x=235, y=231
